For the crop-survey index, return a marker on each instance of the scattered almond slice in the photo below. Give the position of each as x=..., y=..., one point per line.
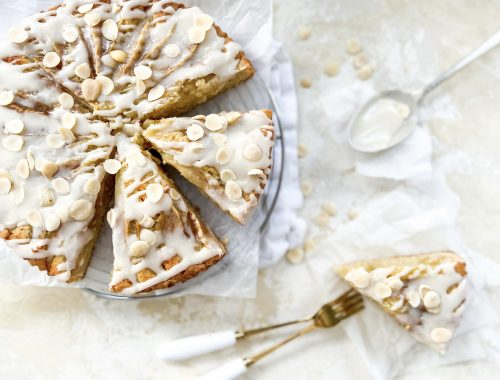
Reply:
x=304, y=32
x=295, y=255
x=118, y=55
x=85, y=8
x=13, y=143
x=107, y=85
x=61, y=186
x=83, y=71
x=143, y=72
x=156, y=93
x=66, y=101
x=81, y=209
x=51, y=60
x=353, y=46
x=233, y=190
x=110, y=30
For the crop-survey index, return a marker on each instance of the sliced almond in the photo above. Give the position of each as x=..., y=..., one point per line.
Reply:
x=233, y=190
x=111, y=217
x=147, y=222
x=31, y=160
x=413, y=298
x=92, y=19
x=35, y=219
x=85, y=8
x=15, y=126
x=139, y=248
x=49, y=168
x=432, y=300
x=23, y=168
x=154, y=192
x=5, y=185
x=143, y=72
x=81, y=209
x=174, y=194
x=13, y=143
x=382, y=290
x=52, y=222
x=196, y=34
x=118, y=55
x=54, y=140
x=194, y=132
x=140, y=87
x=108, y=60
x=156, y=93
x=47, y=198
x=61, y=186
x=441, y=335
x=204, y=21
x=92, y=186
x=66, y=101
x=107, y=84
x=83, y=71
x=110, y=30
x=112, y=166
x=215, y=122
x=51, y=59
x=18, y=35
x=359, y=277
x=66, y=134
x=172, y=50
x=70, y=34
x=6, y=98
x=252, y=152
x=91, y=89
x=148, y=236
x=256, y=172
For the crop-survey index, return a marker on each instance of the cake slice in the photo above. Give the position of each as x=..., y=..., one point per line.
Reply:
x=426, y=294
x=159, y=240
x=228, y=156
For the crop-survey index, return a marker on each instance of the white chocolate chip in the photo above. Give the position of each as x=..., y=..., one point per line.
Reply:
x=256, y=172
x=413, y=298
x=232, y=116
x=329, y=208
x=118, y=55
x=204, y=21
x=140, y=87
x=52, y=222
x=5, y=185
x=68, y=120
x=15, y=126
x=107, y=85
x=227, y=175
x=48, y=168
x=365, y=72
x=92, y=186
x=322, y=219
x=219, y=139
x=34, y=218
x=431, y=300
x=17, y=195
x=148, y=236
x=83, y=71
x=23, y=168
x=224, y=155
x=423, y=289
x=304, y=32
x=382, y=290
x=91, y=89
x=305, y=83
x=154, y=192
x=81, y=209
x=66, y=101
x=194, y=132
x=196, y=34
x=295, y=255
x=92, y=19
x=302, y=150
x=359, y=277
x=6, y=98
x=143, y=72
x=174, y=194
x=331, y=69
x=18, y=35
x=214, y=122
x=147, y=222
x=110, y=30
x=352, y=46
x=85, y=8
x=139, y=248
x=13, y=143
x=51, y=59
x=252, y=152
x=48, y=198
x=61, y=186
x=134, y=158
x=70, y=34
x=112, y=166
x=441, y=335
x=172, y=50
x=111, y=217
x=156, y=93
x=306, y=187
x=55, y=140
x=395, y=283
x=66, y=134
x=233, y=190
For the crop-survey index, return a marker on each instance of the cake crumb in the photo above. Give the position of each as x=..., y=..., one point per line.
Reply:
x=309, y=245
x=330, y=208
x=353, y=46
x=322, y=219
x=365, y=72
x=304, y=32
x=302, y=150
x=331, y=69
x=305, y=83
x=352, y=214
x=295, y=255
x=307, y=188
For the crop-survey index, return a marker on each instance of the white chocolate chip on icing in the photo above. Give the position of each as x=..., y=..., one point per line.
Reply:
x=219, y=139
x=431, y=300
x=232, y=116
x=13, y=143
x=172, y=50
x=80, y=209
x=91, y=89
x=423, y=289
x=51, y=59
x=252, y=152
x=92, y=19
x=224, y=155
x=154, y=192
x=382, y=290
x=34, y=218
x=18, y=35
x=395, y=283
x=194, y=132
x=52, y=222
x=359, y=277
x=112, y=166
x=85, y=8
x=70, y=34
x=68, y=120
x=413, y=298
x=48, y=198
x=55, y=140
x=156, y=93
x=15, y=126
x=92, y=186
x=107, y=85
x=441, y=335
x=139, y=248
x=83, y=71
x=61, y=186
x=227, y=175
x=233, y=190
x=110, y=29
x=256, y=172
x=66, y=101
x=6, y=98
x=214, y=122
x=5, y=185
x=204, y=21
x=148, y=236
x=196, y=34
x=118, y=55
x=111, y=217
x=143, y=72
x=174, y=194
x=147, y=222
x=23, y=168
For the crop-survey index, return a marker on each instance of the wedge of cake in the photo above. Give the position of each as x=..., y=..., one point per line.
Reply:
x=228, y=156
x=159, y=240
x=426, y=294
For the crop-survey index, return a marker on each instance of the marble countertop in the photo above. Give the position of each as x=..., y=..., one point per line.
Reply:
x=61, y=333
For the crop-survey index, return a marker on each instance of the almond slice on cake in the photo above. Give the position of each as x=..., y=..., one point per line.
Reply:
x=159, y=240
x=426, y=294
x=228, y=156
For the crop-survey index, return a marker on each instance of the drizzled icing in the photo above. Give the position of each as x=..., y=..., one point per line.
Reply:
x=141, y=244
x=427, y=297
x=237, y=146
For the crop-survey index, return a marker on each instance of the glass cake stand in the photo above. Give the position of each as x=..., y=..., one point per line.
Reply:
x=251, y=95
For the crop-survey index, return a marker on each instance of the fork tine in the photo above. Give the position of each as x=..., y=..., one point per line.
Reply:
x=348, y=302
x=350, y=293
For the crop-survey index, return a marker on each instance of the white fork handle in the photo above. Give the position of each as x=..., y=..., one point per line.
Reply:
x=229, y=371
x=192, y=346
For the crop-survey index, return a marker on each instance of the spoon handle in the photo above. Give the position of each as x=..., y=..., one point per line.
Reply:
x=486, y=46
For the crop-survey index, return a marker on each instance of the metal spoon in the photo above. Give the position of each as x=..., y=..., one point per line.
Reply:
x=413, y=100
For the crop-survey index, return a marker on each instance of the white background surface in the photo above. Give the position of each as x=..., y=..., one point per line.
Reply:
x=61, y=333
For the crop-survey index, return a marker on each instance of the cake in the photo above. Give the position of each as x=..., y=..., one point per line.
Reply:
x=228, y=156
x=426, y=294
x=72, y=79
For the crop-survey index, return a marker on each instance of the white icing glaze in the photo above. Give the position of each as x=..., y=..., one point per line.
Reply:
x=152, y=245
x=424, y=304
x=223, y=150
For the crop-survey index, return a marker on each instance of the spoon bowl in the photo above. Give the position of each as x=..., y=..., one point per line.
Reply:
x=408, y=125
